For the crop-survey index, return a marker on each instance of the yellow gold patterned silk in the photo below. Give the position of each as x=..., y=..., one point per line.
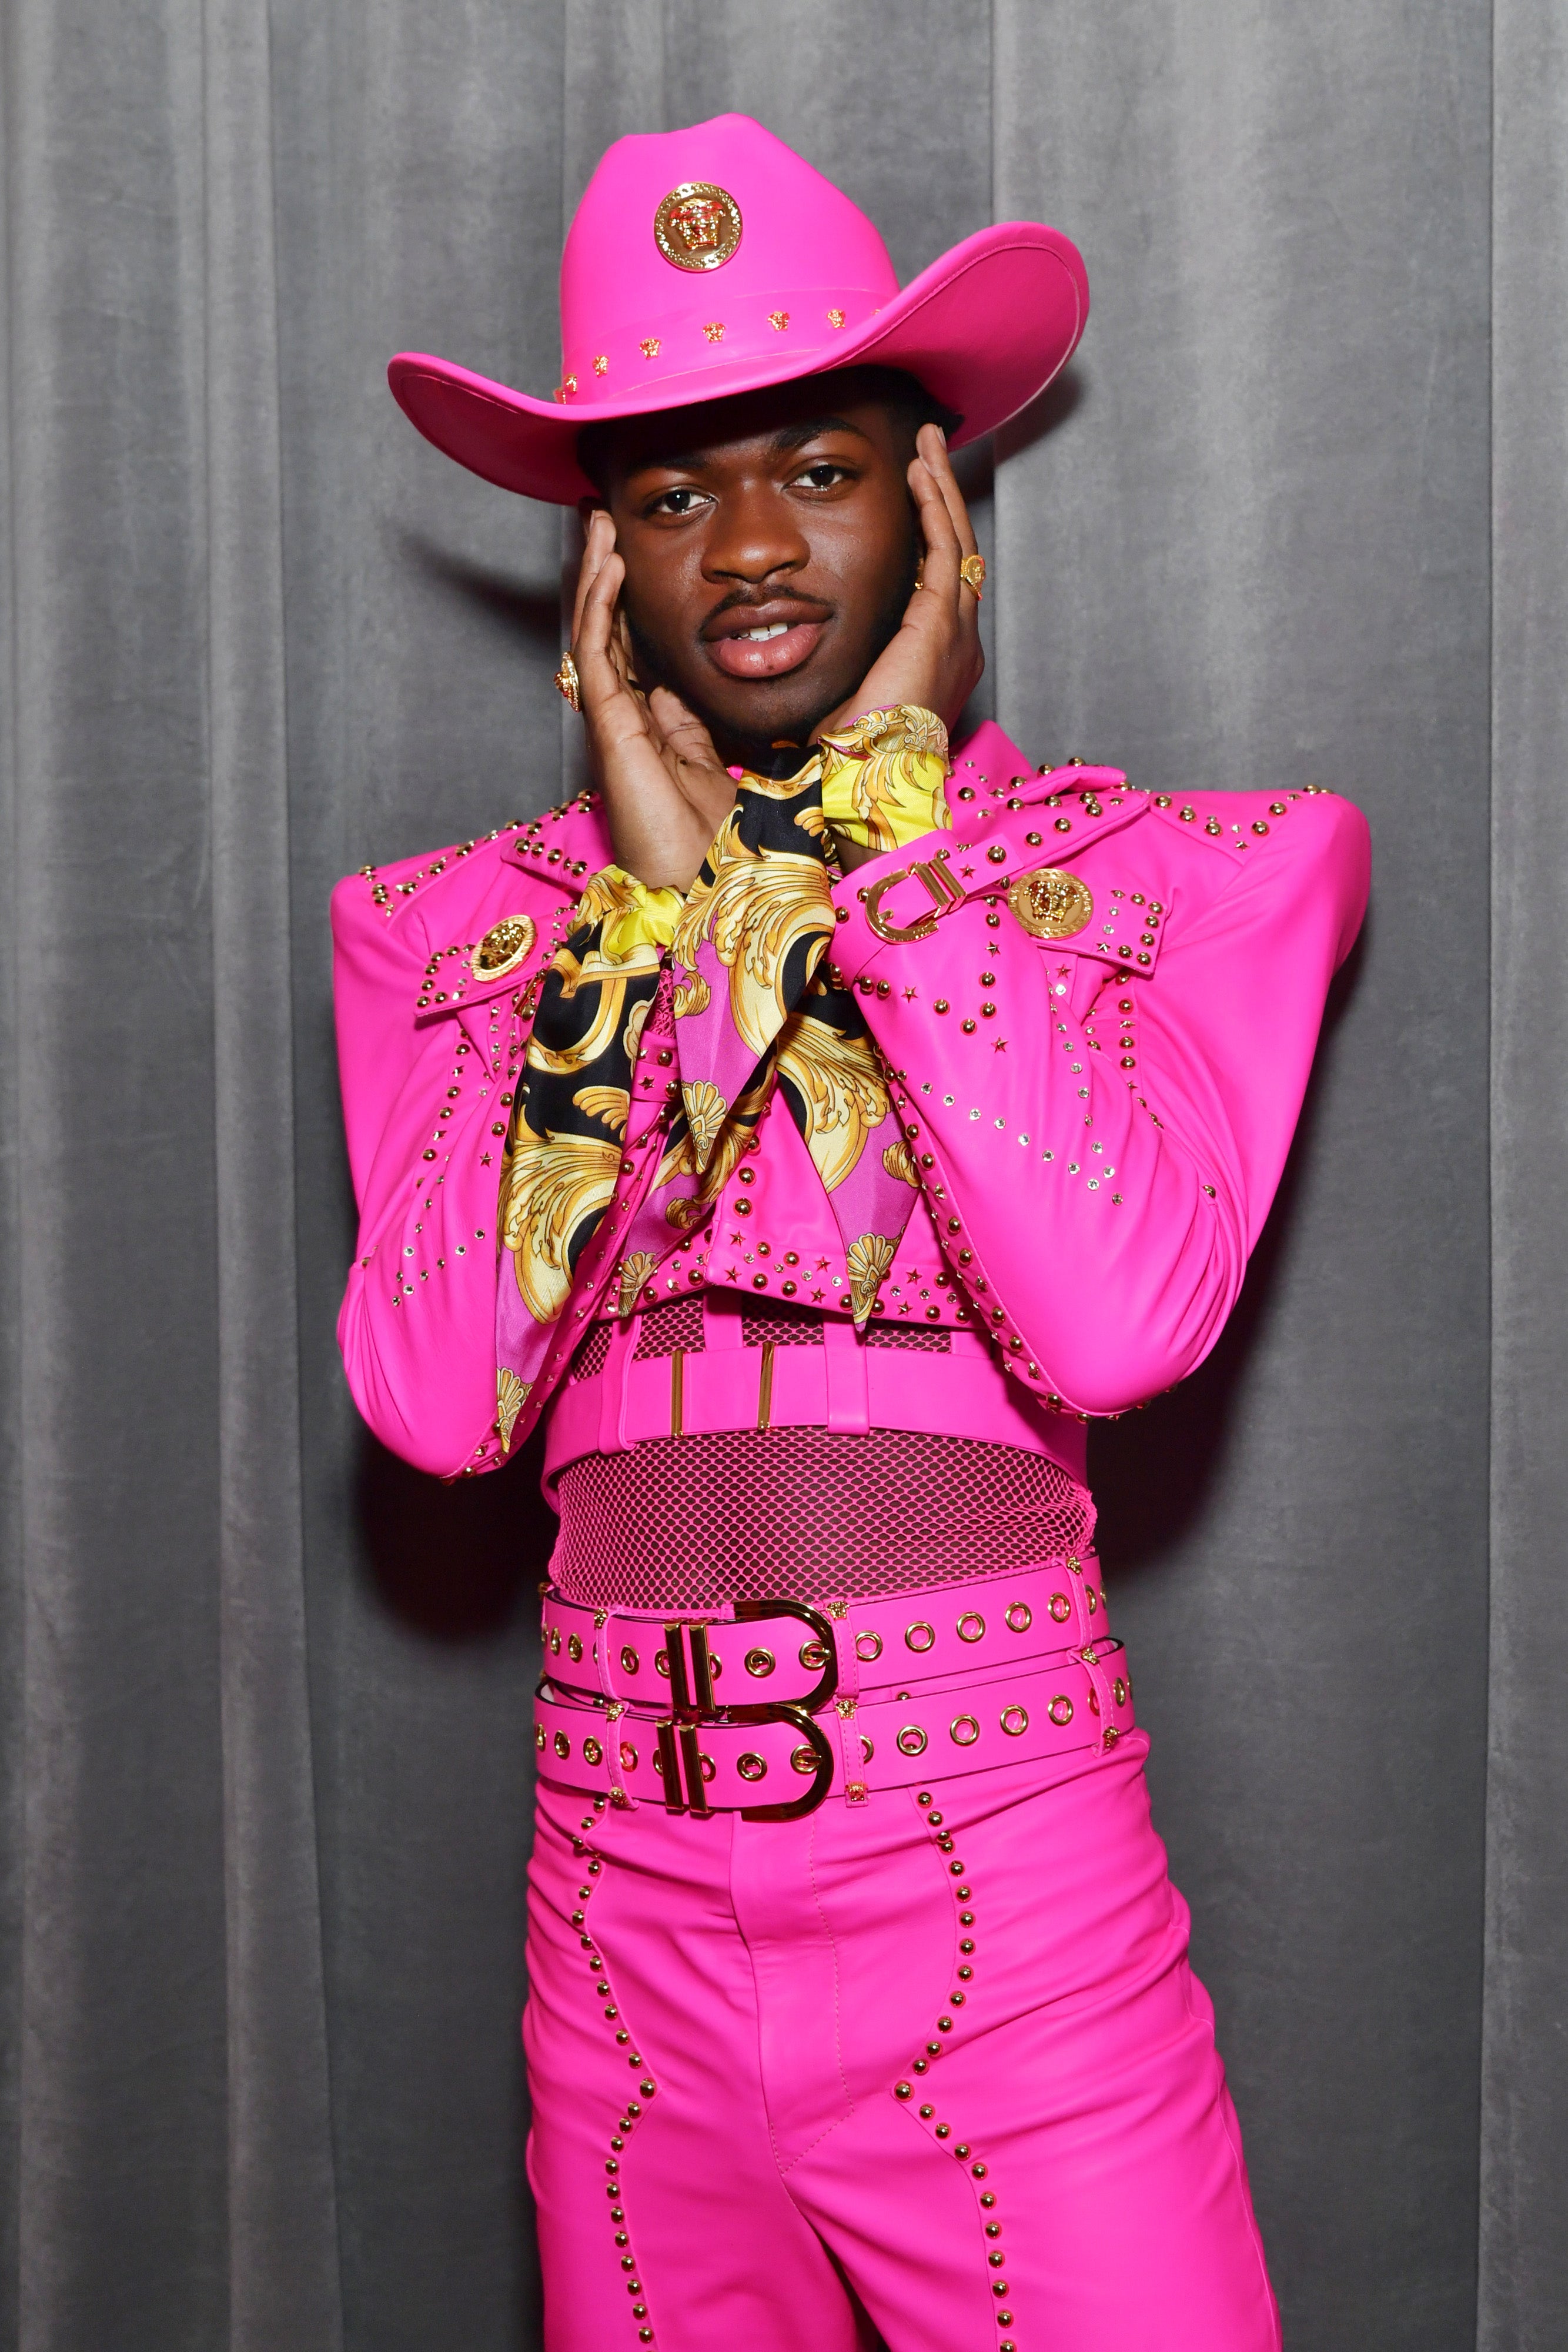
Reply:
x=757, y=905
x=634, y=915
x=839, y=1080
x=553, y=1182
x=885, y=778
x=869, y=1260
x=745, y=944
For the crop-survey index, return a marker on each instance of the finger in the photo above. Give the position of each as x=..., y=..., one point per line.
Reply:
x=944, y=549
x=598, y=544
x=691, y=761
x=621, y=650
x=932, y=444
x=682, y=730
x=592, y=648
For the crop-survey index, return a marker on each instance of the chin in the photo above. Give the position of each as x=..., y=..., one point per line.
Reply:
x=774, y=714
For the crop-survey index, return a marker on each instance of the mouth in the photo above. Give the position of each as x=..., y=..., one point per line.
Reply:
x=762, y=641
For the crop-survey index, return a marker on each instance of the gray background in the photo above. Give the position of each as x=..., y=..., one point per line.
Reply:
x=1298, y=513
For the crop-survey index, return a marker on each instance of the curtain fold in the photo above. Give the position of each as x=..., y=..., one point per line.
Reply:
x=1523, y=2258
x=1296, y=513
x=120, y=2149
x=1245, y=543
x=282, y=2210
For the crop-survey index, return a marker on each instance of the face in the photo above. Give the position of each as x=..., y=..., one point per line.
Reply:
x=770, y=545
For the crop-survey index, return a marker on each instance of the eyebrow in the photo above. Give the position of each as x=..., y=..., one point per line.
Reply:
x=787, y=438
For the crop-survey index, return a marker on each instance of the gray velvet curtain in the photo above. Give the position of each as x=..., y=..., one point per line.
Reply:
x=1299, y=512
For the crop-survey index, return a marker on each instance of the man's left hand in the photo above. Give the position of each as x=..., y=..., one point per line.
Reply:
x=934, y=661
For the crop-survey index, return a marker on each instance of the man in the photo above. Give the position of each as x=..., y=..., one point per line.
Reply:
x=813, y=1129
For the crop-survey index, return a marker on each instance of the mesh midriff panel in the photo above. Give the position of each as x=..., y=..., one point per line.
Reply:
x=776, y=1320
x=676, y=1323
x=589, y=1360
x=806, y=1514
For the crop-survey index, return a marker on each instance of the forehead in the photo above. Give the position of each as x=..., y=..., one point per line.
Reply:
x=780, y=418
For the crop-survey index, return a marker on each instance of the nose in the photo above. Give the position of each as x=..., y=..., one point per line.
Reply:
x=754, y=536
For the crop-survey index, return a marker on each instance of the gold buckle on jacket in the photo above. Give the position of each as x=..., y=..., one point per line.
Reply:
x=943, y=891
x=693, y=1704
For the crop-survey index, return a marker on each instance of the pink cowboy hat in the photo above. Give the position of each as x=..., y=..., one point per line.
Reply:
x=715, y=261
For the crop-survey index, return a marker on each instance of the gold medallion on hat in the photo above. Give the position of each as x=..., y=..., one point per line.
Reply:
x=1051, y=905
x=697, y=227
x=503, y=948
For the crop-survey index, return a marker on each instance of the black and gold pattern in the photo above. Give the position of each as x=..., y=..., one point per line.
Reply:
x=563, y=1150
x=754, y=1008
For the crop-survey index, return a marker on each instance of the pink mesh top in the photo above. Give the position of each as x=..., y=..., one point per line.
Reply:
x=798, y=1513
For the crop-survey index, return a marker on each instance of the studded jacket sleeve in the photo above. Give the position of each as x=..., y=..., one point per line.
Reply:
x=1099, y=1070
x=433, y=996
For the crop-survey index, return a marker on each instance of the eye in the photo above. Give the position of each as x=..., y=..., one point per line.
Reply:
x=825, y=475
x=682, y=500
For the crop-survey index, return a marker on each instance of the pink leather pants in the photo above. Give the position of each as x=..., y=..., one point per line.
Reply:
x=932, y=2069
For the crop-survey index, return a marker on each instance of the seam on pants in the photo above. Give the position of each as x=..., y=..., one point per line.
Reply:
x=592, y=1863
x=786, y=2166
x=921, y=2103
x=984, y=2197
x=838, y=1981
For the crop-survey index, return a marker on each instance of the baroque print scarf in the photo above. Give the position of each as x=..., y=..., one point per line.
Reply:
x=756, y=1010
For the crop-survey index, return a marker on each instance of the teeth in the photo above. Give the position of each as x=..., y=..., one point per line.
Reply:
x=760, y=636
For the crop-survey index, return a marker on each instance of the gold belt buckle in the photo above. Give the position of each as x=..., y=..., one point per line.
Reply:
x=693, y=1704
x=943, y=891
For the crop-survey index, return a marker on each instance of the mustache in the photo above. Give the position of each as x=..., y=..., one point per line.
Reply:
x=751, y=599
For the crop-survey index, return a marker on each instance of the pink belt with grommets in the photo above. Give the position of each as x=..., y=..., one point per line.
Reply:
x=635, y=1707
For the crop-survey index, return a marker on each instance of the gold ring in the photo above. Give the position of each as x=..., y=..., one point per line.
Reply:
x=972, y=572
x=566, y=682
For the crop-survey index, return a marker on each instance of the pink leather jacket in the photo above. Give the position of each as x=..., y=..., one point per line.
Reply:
x=1092, y=1080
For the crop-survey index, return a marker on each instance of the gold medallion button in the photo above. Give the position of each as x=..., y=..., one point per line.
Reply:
x=1050, y=904
x=503, y=948
x=697, y=227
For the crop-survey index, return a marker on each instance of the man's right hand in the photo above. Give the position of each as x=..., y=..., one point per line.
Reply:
x=666, y=791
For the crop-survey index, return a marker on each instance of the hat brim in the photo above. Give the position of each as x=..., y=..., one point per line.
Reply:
x=985, y=328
